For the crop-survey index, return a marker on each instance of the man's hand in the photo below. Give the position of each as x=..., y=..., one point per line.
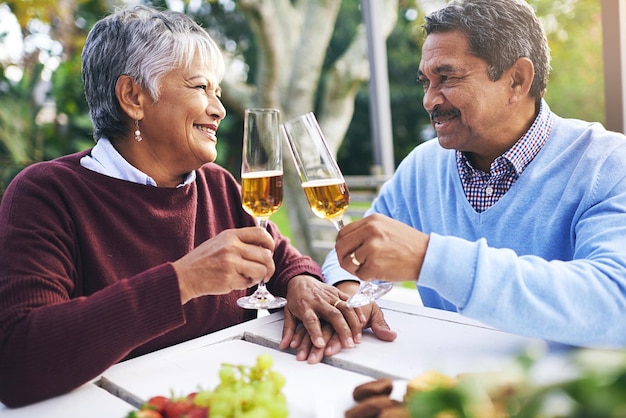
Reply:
x=386, y=249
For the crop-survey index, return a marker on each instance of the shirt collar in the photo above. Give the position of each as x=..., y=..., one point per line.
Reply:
x=105, y=159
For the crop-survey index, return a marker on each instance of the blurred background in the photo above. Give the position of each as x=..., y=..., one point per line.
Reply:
x=295, y=55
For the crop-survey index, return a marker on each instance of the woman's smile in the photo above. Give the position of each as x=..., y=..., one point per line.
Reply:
x=207, y=130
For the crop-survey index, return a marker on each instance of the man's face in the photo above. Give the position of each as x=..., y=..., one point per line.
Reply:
x=468, y=111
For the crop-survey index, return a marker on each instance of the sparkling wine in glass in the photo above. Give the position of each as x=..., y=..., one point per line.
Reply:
x=261, y=184
x=325, y=187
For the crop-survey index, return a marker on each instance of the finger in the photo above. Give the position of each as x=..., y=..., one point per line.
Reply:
x=256, y=236
x=352, y=318
x=333, y=346
x=298, y=337
x=289, y=330
x=379, y=325
x=351, y=235
x=311, y=322
x=302, y=353
x=316, y=354
x=348, y=288
x=361, y=315
x=258, y=263
x=338, y=319
x=353, y=260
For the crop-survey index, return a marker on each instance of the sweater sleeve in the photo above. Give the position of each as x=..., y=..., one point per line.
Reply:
x=56, y=348
x=51, y=339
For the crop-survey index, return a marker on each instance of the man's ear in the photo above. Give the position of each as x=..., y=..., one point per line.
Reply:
x=130, y=96
x=521, y=74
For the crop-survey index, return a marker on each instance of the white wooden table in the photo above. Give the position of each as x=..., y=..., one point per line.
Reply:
x=428, y=339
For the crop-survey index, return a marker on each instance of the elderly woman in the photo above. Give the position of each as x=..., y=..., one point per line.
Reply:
x=139, y=243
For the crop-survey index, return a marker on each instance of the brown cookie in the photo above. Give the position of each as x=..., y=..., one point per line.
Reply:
x=382, y=386
x=371, y=407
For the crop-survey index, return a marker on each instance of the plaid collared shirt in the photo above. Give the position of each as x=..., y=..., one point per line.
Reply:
x=482, y=189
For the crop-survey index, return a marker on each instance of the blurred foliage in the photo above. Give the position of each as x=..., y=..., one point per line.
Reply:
x=574, y=29
x=587, y=383
x=29, y=132
x=17, y=114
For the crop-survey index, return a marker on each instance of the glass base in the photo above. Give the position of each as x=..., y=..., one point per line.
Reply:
x=261, y=299
x=369, y=292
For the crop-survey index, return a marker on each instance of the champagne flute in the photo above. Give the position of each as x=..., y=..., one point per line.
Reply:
x=325, y=187
x=261, y=184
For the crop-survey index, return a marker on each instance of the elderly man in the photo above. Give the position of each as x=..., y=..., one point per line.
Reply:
x=514, y=216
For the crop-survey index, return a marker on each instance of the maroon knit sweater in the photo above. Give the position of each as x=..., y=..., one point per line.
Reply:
x=86, y=278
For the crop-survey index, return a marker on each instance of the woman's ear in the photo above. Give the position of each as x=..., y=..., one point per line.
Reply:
x=130, y=96
x=522, y=74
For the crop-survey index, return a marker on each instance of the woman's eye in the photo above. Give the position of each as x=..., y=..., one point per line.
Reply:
x=202, y=87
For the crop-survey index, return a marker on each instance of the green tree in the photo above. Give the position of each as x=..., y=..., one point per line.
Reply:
x=574, y=29
x=297, y=56
x=36, y=127
x=20, y=142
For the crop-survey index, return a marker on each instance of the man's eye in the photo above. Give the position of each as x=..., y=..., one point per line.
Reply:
x=424, y=82
x=203, y=87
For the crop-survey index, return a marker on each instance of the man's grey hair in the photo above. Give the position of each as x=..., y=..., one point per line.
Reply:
x=499, y=32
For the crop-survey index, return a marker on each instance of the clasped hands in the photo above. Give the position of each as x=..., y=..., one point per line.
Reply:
x=319, y=323
x=375, y=247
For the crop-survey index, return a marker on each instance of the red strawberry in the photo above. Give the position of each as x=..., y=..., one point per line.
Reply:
x=177, y=408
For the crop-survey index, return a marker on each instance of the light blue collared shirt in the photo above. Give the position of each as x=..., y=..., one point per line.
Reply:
x=105, y=159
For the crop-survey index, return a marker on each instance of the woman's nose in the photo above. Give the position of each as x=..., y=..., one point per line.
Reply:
x=216, y=108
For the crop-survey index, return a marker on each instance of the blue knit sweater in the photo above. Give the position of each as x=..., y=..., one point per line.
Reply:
x=548, y=260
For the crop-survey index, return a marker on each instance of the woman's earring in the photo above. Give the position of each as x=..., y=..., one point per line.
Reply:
x=137, y=131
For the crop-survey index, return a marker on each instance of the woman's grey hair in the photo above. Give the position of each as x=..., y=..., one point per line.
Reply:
x=144, y=44
x=499, y=32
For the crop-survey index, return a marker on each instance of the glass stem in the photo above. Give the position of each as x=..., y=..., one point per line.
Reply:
x=338, y=223
x=261, y=223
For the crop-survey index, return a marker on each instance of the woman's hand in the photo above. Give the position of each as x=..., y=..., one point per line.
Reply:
x=233, y=259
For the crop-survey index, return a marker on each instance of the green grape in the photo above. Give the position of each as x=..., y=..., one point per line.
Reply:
x=246, y=396
x=246, y=392
x=277, y=379
x=220, y=409
x=227, y=374
x=203, y=398
x=256, y=413
x=225, y=395
x=264, y=361
x=256, y=373
x=277, y=409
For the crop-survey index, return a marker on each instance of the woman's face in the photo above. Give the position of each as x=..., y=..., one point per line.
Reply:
x=179, y=130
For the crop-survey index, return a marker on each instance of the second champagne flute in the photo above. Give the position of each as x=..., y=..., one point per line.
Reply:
x=261, y=184
x=325, y=187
